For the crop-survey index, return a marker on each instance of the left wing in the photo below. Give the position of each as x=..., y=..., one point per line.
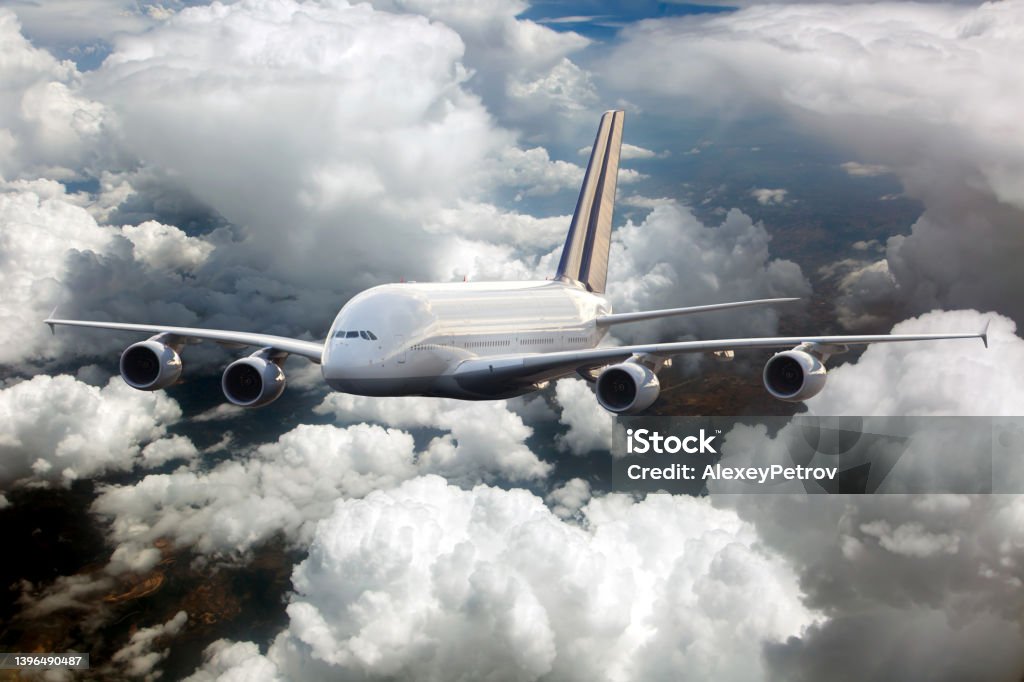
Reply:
x=533, y=368
x=307, y=349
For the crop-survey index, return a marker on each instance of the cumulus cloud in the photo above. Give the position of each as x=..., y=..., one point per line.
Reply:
x=47, y=128
x=483, y=440
x=287, y=486
x=165, y=246
x=81, y=27
x=473, y=220
x=672, y=252
x=282, y=487
x=429, y=581
x=37, y=234
x=521, y=69
x=59, y=256
x=632, y=151
x=932, y=378
x=568, y=499
x=419, y=142
x=767, y=197
x=228, y=660
x=590, y=425
x=60, y=429
x=921, y=573
x=919, y=89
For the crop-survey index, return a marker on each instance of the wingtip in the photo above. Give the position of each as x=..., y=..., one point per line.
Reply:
x=51, y=318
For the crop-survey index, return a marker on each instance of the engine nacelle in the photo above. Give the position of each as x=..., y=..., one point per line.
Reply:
x=150, y=365
x=254, y=381
x=794, y=375
x=627, y=388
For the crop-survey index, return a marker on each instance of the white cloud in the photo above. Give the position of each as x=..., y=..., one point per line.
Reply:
x=864, y=170
x=79, y=25
x=590, y=425
x=229, y=661
x=59, y=429
x=534, y=170
x=671, y=252
x=910, y=539
x=767, y=197
x=568, y=499
x=137, y=659
x=165, y=246
x=932, y=378
x=75, y=592
x=921, y=89
x=58, y=256
x=46, y=126
x=922, y=573
x=199, y=96
x=283, y=487
x=632, y=151
x=866, y=293
x=521, y=68
x=565, y=87
x=36, y=235
x=484, y=440
x=428, y=581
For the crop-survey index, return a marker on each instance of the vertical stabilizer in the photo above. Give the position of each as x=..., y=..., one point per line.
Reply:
x=585, y=255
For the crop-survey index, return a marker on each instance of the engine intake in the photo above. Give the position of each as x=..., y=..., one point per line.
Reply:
x=254, y=381
x=627, y=388
x=150, y=365
x=794, y=375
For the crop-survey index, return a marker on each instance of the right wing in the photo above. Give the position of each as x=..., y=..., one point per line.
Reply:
x=622, y=318
x=307, y=349
x=532, y=368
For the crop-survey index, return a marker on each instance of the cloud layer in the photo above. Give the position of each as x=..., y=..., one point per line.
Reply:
x=432, y=582
x=59, y=429
x=922, y=90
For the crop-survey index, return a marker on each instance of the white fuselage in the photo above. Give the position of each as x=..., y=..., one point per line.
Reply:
x=407, y=339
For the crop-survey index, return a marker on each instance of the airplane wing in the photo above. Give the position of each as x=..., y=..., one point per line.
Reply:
x=307, y=349
x=531, y=368
x=622, y=318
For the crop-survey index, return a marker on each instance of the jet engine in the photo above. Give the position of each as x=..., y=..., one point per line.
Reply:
x=794, y=375
x=627, y=388
x=254, y=381
x=150, y=365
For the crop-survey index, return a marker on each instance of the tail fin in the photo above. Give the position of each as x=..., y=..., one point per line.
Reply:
x=585, y=254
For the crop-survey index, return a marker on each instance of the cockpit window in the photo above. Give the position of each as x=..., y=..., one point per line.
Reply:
x=361, y=334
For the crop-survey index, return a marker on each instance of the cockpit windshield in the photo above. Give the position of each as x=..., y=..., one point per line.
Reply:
x=361, y=334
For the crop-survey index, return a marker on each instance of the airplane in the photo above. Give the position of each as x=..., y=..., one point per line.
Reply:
x=492, y=340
